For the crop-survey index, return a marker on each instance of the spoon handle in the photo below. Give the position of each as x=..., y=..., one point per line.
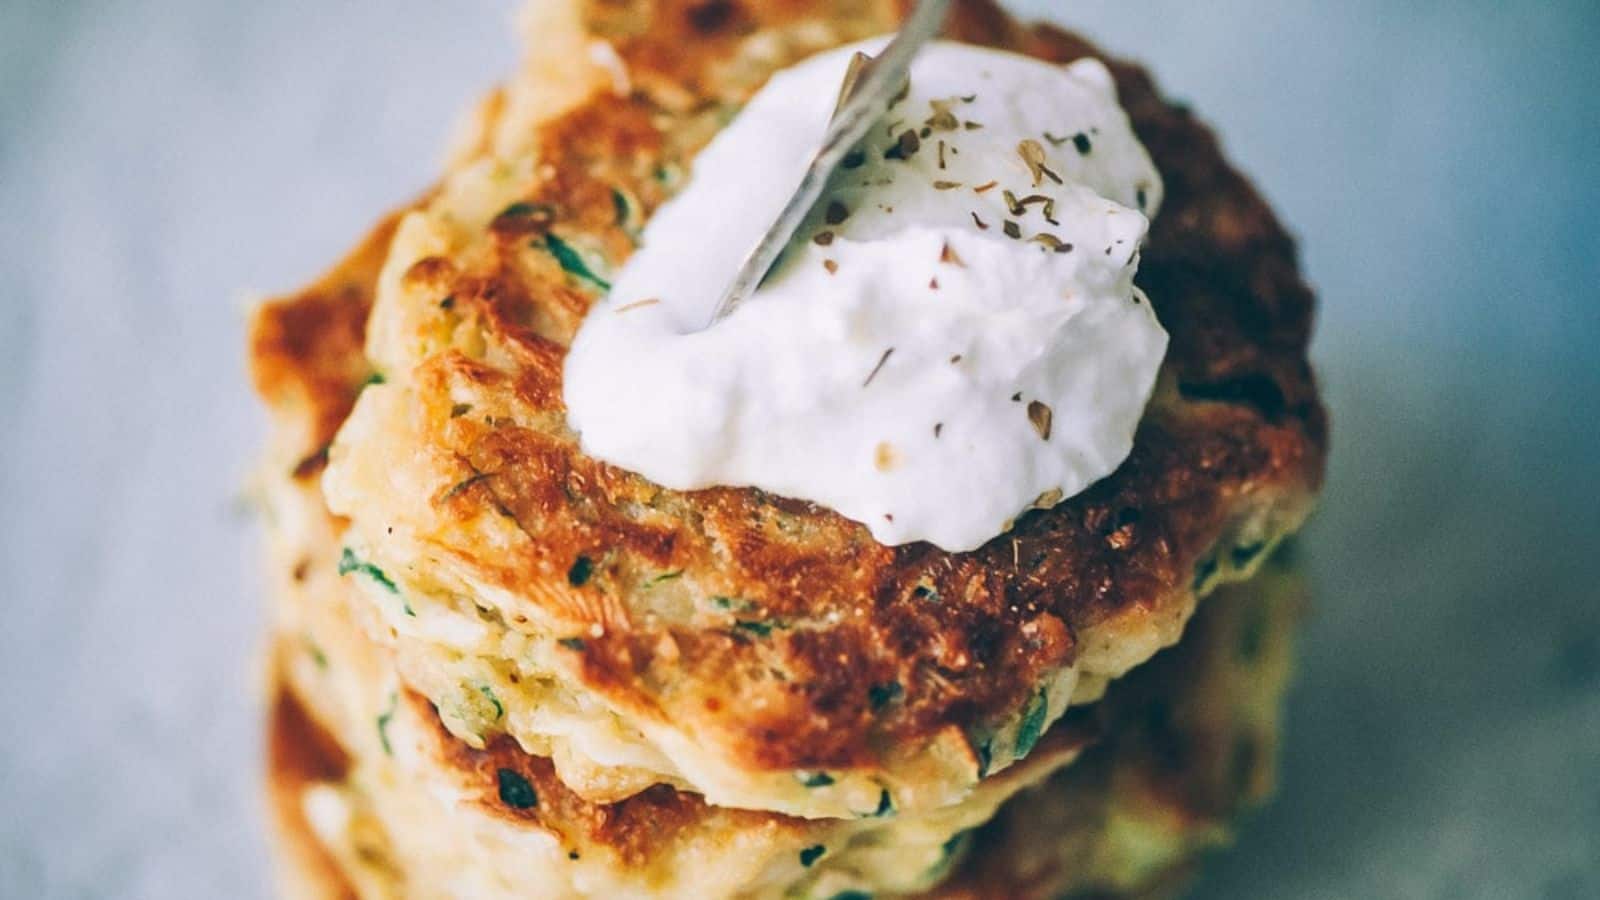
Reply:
x=870, y=89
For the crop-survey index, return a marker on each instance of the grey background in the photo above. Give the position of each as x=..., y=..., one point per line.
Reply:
x=162, y=162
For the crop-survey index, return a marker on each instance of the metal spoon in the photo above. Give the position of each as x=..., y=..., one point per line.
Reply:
x=870, y=88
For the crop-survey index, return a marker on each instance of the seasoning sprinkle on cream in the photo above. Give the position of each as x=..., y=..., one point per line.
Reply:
x=929, y=358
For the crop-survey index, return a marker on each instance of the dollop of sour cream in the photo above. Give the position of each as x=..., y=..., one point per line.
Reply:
x=952, y=338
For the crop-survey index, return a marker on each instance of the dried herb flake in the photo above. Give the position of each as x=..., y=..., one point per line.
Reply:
x=488, y=693
x=1051, y=242
x=881, y=695
x=1040, y=415
x=879, y=367
x=905, y=146
x=621, y=206
x=572, y=261
x=349, y=562
x=384, y=718
x=885, y=805
x=582, y=568
x=664, y=577
x=515, y=791
x=1032, y=154
x=1032, y=725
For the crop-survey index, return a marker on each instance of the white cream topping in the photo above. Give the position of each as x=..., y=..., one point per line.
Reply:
x=921, y=361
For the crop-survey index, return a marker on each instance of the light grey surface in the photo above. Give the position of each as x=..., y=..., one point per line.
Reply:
x=160, y=162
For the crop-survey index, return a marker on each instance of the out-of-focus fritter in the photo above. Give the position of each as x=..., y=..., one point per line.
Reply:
x=1189, y=743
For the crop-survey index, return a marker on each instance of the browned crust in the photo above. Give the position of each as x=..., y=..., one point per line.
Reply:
x=299, y=754
x=1235, y=429
x=1179, y=746
x=306, y=350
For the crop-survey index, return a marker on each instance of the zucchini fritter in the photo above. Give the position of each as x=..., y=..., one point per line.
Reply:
x=762, y=652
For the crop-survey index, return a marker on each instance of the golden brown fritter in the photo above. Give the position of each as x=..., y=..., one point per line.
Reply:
x=368, y=784
x=360, y=764
x=743, y=642
x=1183, y=746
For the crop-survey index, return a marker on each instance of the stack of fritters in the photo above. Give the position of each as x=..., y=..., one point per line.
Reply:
x=507, y=669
